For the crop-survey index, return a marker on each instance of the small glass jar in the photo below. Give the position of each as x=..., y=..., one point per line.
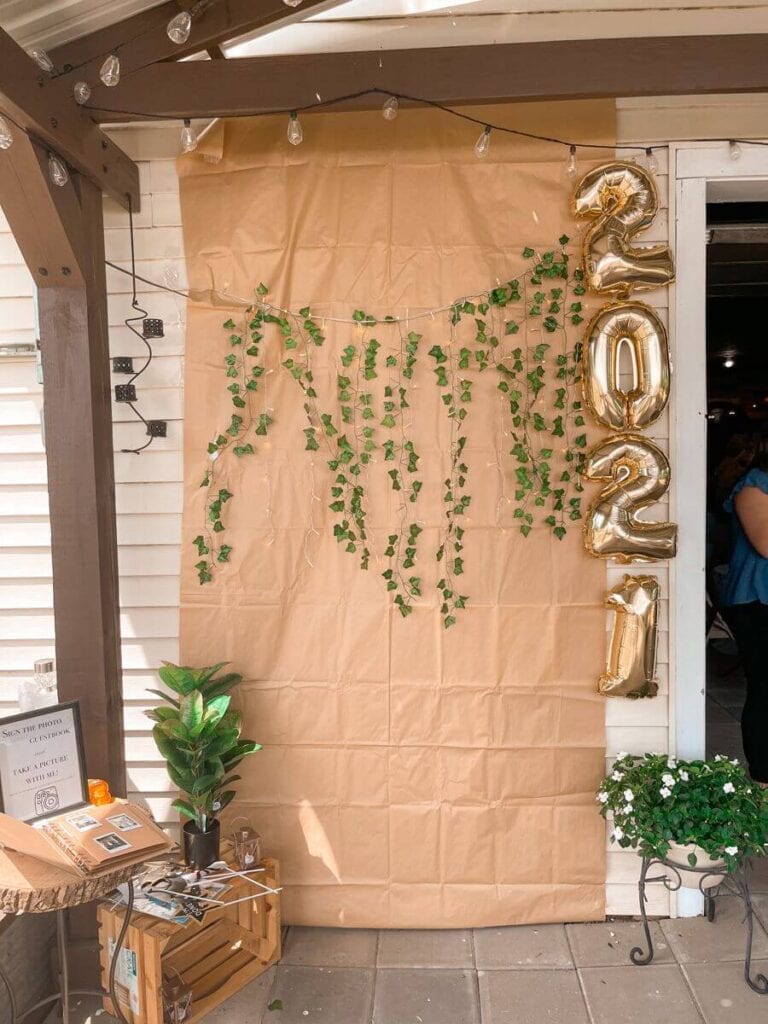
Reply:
x=39, y=691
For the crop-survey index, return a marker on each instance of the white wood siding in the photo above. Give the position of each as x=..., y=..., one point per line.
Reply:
x=149, y=491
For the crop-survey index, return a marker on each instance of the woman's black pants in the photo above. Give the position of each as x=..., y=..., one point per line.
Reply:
x=749, y=623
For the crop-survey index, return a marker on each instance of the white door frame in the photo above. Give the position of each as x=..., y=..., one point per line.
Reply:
x=702, y=173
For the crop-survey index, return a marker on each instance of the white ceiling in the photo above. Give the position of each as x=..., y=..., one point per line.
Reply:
x=402, y=24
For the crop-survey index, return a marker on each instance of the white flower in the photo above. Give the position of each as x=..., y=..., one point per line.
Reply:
x=734, y=760
x=618, y=833
x=668, y=780
x=627, y=809
x=665, y=792
x=671, y=762
x=729, y=788
x=719, y=757
x=617, y=776
x=684, y=775
x=621, y=755
x=732, y=850
x=629, y=796
x=602, y=796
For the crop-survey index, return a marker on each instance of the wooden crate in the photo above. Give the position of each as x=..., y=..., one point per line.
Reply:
x=217, y=957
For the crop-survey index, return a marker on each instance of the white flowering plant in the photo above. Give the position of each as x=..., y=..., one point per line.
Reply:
x=655, y=800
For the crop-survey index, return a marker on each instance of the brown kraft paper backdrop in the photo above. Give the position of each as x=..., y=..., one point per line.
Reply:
x=411, y=777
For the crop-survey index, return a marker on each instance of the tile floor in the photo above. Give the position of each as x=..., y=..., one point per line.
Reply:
x=536, y=974
x=545, y=974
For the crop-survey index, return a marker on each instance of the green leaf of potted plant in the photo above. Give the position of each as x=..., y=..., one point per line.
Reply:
x=697, y=814
x=198, y=734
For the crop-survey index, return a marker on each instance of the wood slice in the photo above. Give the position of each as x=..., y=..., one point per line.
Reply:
x=31, y=886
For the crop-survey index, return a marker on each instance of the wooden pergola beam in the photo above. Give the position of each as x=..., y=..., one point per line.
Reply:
x=146, y=40
x=33, y=101
x=60, y=232
x=570, y=69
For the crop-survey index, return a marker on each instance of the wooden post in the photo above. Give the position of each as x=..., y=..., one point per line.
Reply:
x=61, y=234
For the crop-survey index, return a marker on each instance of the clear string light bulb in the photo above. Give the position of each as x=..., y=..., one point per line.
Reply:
x=42, y=60
x=651, y=162
x=570, y=164
x=295, y=134
x=292, y=3
x=6, y=135
x=57, y=170
x=734, y=150
x=483, y=143
x=188, y=137
x=390, y=108
x=179, y=28
x=81, y=92
x=110, y=70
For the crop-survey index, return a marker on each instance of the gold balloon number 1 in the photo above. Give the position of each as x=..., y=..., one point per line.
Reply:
x=621, y=200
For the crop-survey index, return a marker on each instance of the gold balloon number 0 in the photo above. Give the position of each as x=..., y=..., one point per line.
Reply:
x=621, y=201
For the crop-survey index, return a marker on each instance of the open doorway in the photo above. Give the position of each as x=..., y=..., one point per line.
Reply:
x=737, y=429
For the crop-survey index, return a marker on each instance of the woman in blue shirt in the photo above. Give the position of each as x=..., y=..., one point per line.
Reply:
x=745, y=596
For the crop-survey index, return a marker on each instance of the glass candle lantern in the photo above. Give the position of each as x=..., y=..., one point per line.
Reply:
x=177, y=999
x=247, y=847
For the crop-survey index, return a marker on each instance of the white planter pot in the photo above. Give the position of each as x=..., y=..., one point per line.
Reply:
x=693, y=879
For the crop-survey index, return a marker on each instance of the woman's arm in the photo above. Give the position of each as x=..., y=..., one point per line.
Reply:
x=752, y=509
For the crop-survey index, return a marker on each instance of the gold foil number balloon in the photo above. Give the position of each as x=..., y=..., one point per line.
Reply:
x=635, y=325
x=636, y=474
x=632, y=655
x=622, y=200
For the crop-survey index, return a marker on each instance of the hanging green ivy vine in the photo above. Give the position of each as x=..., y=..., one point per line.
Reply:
x=366, y=430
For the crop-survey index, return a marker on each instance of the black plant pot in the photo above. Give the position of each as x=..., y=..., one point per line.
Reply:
x=201, y=849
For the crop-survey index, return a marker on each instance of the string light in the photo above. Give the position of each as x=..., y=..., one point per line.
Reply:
x=6, y=135
x=292, y=3
x=82, y=92
x=570, y=167
x=57, y=170
x=483, y=143
x=188, y=137
x=734, y=150
x=42, y=60
x=179, y=28
x=295, y=134
x=110, y=70
x=650, y=161
x=389, y=110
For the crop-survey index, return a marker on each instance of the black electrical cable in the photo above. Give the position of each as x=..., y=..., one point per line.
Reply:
x=129, y=323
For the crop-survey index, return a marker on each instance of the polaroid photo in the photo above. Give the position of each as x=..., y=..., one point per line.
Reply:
x=124, y=822
x=112, y=842
x=82, y=822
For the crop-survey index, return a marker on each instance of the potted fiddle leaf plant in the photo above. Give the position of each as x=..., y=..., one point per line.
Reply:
x=199, y=735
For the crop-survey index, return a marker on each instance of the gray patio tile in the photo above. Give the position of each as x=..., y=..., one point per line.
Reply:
x=528, y=945
x=244, y=1007
x=331, y=947
x=608, y=943
x=425, y=948
x=758, y=876
x=724, y=996
x=532, y=997
x=328, y=995
x=639, y=995
x=696, y=940
x=425, y=997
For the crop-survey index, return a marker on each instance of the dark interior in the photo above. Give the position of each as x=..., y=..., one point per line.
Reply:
x=737, y=419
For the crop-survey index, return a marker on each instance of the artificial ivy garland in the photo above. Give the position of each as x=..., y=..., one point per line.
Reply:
x=367, y=429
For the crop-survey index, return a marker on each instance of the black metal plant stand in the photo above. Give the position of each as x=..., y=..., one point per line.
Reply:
x=735, y=882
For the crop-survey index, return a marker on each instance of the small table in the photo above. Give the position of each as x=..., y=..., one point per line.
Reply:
x=30, y=886
x=735, y=882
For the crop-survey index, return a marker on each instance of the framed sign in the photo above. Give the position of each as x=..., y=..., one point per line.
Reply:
x=42, y=764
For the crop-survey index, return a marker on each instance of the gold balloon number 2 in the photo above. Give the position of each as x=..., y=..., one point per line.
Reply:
x=621, y=200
